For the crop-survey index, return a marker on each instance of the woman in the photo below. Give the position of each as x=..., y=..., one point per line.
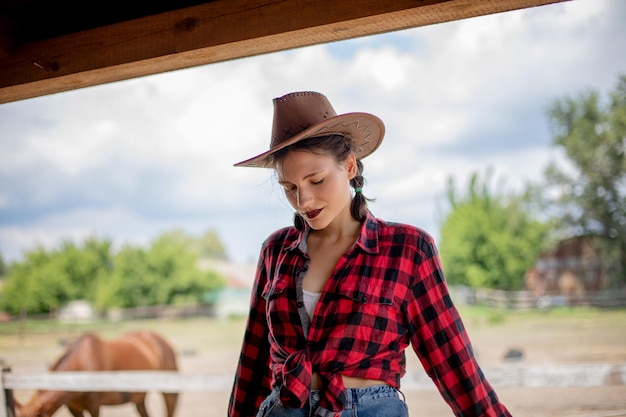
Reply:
x=339, y=296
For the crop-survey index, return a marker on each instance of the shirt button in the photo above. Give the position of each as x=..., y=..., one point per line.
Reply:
x=364, y=299
x=300, y=304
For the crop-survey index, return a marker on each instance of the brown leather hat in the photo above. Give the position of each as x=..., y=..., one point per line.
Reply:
x=309, y=114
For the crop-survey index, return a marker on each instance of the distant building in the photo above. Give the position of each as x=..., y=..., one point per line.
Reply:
x=572, y=268
x=234, y=299
x=77, y=311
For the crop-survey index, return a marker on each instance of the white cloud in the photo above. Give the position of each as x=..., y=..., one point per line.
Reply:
x=134, y=158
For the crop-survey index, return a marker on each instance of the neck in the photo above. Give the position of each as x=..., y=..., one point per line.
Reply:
x=340, y=229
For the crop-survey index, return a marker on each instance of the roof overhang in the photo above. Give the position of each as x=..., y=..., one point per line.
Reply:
x=200, y=34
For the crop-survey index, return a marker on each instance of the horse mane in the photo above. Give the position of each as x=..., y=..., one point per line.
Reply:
x=69, y=351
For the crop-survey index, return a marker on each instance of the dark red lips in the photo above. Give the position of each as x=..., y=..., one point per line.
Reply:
x=313, y=213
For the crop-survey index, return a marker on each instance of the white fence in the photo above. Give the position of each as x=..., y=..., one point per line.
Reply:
x=526, y=300
x=513, y=375
x=122, y=381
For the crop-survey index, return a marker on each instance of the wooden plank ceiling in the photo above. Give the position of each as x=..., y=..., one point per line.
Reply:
x=49, y=46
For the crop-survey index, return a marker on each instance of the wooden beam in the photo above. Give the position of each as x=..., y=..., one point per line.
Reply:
x=6, y=37
x=213, y=32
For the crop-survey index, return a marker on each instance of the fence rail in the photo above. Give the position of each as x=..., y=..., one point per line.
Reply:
x=122, y=381
x=512, y=375
x=527, y=300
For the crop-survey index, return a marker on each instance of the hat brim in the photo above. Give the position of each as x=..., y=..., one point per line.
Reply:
x=365, y=129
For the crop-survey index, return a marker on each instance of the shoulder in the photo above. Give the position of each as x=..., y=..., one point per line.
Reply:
x=273, y=249
x=281, y=238
x=391, y=230
x=405, y=235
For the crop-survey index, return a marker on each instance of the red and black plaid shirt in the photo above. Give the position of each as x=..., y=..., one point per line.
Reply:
x=386, y=292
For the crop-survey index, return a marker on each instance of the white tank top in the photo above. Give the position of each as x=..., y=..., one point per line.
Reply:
x=310, y=300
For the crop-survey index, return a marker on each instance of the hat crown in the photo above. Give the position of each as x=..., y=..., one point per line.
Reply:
x=307, y=114
x=296, y=112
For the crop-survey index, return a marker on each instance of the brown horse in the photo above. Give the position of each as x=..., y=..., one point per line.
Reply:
x=136, y=351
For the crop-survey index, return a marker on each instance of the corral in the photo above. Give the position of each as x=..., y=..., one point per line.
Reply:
x=570, y=362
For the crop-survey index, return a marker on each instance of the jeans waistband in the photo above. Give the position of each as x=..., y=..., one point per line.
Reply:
x=356, y=395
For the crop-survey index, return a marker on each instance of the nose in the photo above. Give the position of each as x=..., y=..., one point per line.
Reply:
x=302, y=197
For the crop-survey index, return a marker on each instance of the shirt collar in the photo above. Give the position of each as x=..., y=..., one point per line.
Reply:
x=367, y=240
x=299, y=240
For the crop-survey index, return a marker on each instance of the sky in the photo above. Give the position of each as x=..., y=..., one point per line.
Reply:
x=130, y=160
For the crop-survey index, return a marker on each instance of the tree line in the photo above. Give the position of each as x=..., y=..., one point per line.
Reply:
x=165, y=273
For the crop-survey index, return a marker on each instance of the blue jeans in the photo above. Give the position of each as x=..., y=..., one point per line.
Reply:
x=375, y=401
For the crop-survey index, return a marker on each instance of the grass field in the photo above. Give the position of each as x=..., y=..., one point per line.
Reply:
x=564, y=336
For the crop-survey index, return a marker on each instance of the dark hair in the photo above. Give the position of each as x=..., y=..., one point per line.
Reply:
x=339, y=148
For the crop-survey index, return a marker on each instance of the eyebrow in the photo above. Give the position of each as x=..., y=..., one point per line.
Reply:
x=312, y=174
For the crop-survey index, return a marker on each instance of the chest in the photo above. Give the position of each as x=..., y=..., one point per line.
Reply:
x=324, y=259
x=359, y=298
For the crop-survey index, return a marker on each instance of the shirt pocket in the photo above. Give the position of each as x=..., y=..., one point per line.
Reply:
x=274, y=288
x=364, y=292
x=370, y=321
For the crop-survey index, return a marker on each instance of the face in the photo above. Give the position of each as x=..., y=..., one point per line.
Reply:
x=317, y=186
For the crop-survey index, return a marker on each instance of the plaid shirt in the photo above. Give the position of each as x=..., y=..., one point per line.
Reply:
x=386, y=292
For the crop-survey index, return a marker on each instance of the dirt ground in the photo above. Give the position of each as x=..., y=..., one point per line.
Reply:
x=211, y=346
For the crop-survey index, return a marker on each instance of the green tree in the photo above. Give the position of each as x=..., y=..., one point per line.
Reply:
x=21, y=292
x=130, y=284
x=210, y=246
x=47, y=279
x=489, y=239
x=589, y=194
x=4, y=268
x=183, y=281
x=166, y=273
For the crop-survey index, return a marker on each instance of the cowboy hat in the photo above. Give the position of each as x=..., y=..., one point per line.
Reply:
x=308, y=114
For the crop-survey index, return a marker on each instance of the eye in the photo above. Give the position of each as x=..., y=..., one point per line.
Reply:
x=318, y=182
